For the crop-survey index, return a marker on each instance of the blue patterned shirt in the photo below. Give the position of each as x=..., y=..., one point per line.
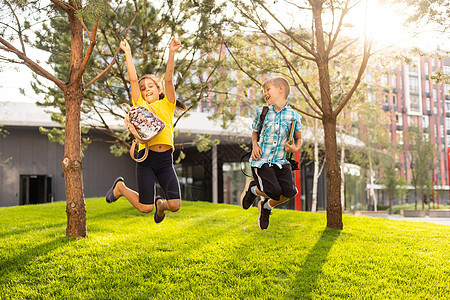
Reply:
x=275, y=134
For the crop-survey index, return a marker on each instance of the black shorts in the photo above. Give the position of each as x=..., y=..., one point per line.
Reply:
x=275, y=182
x=157, y=166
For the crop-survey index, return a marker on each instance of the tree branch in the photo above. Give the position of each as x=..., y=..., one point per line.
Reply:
x=342, y=50
x=63, y=5
x=32, y=65
x=88, y=54
x=366, y=56
x=106, y=70
x=289, y=33
x=240, y=67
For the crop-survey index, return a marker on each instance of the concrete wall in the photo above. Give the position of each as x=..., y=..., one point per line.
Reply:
x=31, y=153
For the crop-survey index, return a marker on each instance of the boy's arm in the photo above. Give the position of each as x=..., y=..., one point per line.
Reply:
x=169, y=88
x=256, y=150
x=135, y=92
x=298, y=142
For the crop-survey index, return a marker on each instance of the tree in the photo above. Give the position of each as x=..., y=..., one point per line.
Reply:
x=153, y=27
x=320, y=45
x=73, y=87
x=393, y=183
x=422, y=153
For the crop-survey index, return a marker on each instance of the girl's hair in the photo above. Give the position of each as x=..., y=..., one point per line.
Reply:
x=159, y=83
x=156, y=80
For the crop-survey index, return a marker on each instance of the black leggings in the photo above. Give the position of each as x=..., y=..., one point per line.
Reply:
x=157, y=165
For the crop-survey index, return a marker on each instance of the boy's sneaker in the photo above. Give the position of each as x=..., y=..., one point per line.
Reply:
x=247, y=197
x=264, y=214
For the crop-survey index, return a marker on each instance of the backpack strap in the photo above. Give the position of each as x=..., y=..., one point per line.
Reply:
x=262, y=116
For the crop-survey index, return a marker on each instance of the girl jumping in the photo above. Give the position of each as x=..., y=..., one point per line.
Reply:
x=147, y=91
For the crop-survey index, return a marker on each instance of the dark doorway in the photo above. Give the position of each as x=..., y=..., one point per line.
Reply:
x=35, y=189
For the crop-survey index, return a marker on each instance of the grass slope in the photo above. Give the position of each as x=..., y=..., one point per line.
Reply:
x=208, y=251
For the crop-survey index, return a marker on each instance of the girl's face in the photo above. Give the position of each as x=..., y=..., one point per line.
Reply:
x=149, y=90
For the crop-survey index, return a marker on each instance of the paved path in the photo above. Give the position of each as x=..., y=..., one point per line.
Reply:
x=443, y=221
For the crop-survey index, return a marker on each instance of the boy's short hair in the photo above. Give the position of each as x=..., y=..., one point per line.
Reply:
x=277, y=81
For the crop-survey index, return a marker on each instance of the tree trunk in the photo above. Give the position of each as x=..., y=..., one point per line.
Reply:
x=73, y=169
x=333, y=174
x=390, y=204
x=342, y=170
x=71, y=164
x=316, y=167
x=372, y=183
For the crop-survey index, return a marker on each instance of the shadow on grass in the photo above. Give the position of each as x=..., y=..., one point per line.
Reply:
x=31, y=228
x=16, y=263
x=306, y=280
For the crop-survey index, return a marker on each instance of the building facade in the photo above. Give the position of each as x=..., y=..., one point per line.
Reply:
x=412, y=101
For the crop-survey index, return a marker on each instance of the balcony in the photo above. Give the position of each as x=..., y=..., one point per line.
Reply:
x=400, y=127
x=387, y=107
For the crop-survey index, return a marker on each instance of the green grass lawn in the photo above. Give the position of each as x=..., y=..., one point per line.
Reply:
x=210, y=251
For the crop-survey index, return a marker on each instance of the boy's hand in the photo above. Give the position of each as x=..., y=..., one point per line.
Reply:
x=256, y=152
x=174, y=45
x=290, y=148
x=125, y=46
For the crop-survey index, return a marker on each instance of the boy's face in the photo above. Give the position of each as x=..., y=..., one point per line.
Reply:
x=149, y=90
x=272, y=93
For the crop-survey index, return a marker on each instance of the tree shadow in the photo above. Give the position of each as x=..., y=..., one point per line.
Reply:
x=17, y=262
x=306, y=280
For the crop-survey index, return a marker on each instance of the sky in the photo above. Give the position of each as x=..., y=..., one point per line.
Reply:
x=383, y=24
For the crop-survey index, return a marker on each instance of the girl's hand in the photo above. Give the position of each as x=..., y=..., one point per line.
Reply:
x=125, y=46
x=175, y=45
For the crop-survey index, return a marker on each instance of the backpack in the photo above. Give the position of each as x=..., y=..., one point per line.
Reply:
x=144, y=125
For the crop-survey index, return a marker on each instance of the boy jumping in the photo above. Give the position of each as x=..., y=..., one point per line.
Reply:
x=272, y=173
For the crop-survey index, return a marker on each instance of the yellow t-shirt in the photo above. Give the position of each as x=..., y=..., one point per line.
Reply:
x=164, y=110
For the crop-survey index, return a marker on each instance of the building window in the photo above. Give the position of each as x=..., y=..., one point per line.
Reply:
x=415, y=106
x=399, y=119
x=393, y=81
x=394, y=100
x=426, y=121
x=370, y=78
x=427, y=86
x=428, y=103
x=435, y=94
x=425, y=66
x=385, y=99
x=447, y=70
x=400, y=137
x=414, y=85
x=372, y=98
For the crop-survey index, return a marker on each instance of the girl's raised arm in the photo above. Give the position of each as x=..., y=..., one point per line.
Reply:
x=169, y=88
x=135, y=92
